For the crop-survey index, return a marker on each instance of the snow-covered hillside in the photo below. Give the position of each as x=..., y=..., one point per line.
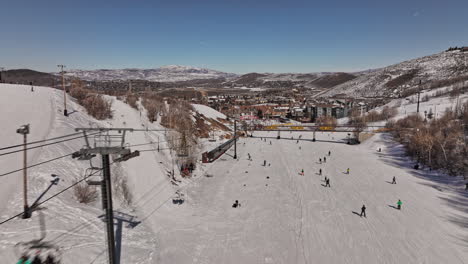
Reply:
x=386, y=81
x=169, y=73
x=208, y=111
x=291, y=80
x=284, y=217
x=75, y=230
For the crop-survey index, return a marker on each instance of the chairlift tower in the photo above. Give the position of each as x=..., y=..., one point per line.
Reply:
x=24, y=130
x=65, y=111
x=106, y=141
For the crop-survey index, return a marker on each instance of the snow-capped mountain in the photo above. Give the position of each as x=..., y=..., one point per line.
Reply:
x=170, y=73
x=390, y=80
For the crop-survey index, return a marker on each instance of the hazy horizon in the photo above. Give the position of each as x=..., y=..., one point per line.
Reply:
x=241, y=37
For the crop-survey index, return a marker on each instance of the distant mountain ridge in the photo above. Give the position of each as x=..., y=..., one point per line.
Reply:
x=170, y=73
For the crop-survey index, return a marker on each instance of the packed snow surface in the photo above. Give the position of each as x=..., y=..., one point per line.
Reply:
x=289, y=218
x=208, y=111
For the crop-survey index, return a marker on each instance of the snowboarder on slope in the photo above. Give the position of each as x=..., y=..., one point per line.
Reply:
x=363, y=211
x=394, y=180
x=399, y=203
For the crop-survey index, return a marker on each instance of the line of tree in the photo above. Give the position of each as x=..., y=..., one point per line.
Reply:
x=95, y=104
x=438, y=143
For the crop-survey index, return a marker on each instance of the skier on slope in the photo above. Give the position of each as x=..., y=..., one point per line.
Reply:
x=363, y=211
x=399, y=203
x=329, y=153
x=264, y=163
x=320, y=160
x=327, y=183
x=325, y=159
x=320, y=171
x=347, y=171
x=394, y=180
x=302, y=172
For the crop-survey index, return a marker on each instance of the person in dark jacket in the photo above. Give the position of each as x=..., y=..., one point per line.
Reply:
x=320, y=171
x=327, y=183
x=394, y=180
x=329, y=153
x=363, y=211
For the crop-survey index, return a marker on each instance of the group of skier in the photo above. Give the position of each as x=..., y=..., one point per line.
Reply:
x=363, y=208
x=327, y=180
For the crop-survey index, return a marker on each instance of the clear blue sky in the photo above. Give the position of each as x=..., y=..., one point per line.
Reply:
x=234, y=36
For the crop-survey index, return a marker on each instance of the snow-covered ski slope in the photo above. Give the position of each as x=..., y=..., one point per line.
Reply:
x=74, y=228
x=290, y=218
x=286, y=218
